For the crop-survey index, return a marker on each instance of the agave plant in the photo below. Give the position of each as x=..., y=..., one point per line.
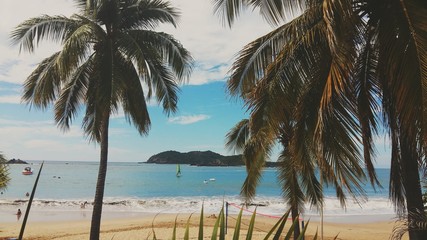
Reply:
x=218, y=231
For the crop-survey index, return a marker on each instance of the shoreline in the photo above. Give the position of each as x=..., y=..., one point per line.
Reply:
x=140, y=227
x=61, y=213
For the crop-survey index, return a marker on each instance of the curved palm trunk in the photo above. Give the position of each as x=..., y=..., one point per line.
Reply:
x=411, y=186
x=413, y=197
x=100, y=185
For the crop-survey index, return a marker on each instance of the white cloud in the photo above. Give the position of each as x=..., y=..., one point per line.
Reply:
x=10, y=99
x=17, y=66
x=211, y=43
x=183, y=120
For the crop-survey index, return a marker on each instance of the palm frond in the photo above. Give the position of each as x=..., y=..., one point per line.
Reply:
x=94, y=106
x=254, y=155
x=237, y=137
x=158, y=77
x=341, y=33
x=289, y=178
x=43, y=84
x=367, y=90
x=229, y=10
x=4, y=172
x=147, y=14
x=415, y=14
x=278, y=11
x=174, y=53
x=131, y=94
x=273, y=11
x=31, y=32
x=78, y=45
x=254, y=59
x=418, y=222
x=73, y=95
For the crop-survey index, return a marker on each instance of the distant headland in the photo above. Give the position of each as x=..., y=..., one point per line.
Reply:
x=16, y=161
x=200, y=158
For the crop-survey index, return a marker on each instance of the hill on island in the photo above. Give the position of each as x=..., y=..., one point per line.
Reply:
x=16, y=161
x=198, y=158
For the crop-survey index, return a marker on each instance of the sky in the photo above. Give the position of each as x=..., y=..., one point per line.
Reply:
x=206, y=113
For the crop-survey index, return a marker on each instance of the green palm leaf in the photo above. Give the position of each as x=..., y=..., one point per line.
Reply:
x=30, y=201
x=279, y=222
x=217, y=225
x=201, y=224
x=236, y=234
x=251, y=226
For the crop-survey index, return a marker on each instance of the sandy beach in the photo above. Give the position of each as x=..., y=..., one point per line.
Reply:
x=140, y=227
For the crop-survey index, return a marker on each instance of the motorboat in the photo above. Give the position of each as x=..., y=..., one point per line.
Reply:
x=27, y=171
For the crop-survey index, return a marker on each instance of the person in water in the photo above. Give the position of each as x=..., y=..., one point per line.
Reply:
x=83, y=205
x=18, y=214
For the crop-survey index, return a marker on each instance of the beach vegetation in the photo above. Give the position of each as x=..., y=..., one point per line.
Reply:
x=334, y=70
x=110, y=60
x=4, y=172
x=219, y=228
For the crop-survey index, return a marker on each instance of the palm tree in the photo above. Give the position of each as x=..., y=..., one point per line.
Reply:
x=297, y=163
x=363, y=64
x=297, y=184
x=109, y=51
x=4, y=175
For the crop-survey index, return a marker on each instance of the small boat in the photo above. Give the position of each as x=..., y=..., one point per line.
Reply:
x=178, y=170
x=212, y=179
x=27, y=171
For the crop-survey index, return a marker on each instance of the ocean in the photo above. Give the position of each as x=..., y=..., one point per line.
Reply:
x=135, y=188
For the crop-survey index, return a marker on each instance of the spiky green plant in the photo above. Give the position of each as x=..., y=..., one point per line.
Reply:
x=201, y=223
x=30, y=201
x=218, y=231
x=187, y=229
x=237, y=227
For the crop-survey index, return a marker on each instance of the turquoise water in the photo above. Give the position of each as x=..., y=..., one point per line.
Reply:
x=155, y=188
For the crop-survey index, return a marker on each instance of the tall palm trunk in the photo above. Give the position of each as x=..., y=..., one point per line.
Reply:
x=100, y=185
x=107, y=75
x=413, y=198
x=412, y=188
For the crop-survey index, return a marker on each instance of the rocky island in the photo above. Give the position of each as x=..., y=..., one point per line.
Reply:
x=16, y=161
x=199, y=158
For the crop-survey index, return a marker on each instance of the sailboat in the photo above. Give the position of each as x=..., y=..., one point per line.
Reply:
x=178, y=170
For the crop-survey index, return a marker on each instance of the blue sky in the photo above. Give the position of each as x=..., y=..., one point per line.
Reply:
x=205, y=114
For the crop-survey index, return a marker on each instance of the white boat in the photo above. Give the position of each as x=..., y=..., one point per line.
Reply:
x=212, y=179
x=27, y=171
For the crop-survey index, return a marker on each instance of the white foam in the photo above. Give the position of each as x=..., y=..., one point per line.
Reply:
x=269, y=206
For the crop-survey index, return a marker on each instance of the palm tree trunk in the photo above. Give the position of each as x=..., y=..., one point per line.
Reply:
x=412, y=186
x=100, y=185
x=297, y=230
x=413, y=197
